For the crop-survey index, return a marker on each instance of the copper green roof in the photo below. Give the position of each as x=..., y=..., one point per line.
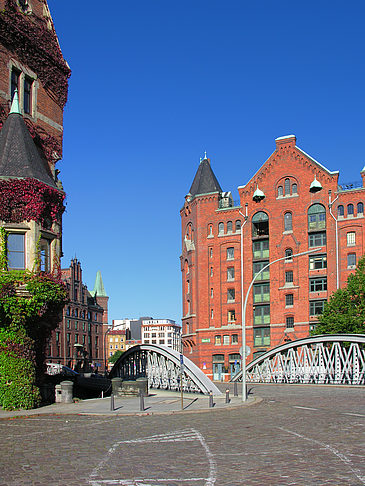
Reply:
x=99, y=289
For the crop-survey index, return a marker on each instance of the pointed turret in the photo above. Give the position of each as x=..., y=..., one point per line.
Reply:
x=19, y=156
x=99, y=289
x=204, y=181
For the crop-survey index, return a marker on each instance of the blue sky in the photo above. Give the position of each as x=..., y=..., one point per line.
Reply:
x=155, y=83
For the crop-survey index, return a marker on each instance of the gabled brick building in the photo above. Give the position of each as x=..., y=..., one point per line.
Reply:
x=79, y=338
x=292, y=204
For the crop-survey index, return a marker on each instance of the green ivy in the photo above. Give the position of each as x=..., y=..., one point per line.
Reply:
x=30, y=308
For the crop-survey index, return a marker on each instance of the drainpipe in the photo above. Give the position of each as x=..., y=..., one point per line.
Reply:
x=330, y=204
x=243, y=357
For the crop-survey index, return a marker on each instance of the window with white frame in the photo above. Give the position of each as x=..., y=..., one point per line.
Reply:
x=230, y=253
x=230, y=274
x=226, y=340
x=351, y=260
x=351, y=238
x=16, y=251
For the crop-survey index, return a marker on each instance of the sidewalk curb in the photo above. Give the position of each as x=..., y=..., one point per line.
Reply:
x=29, y=414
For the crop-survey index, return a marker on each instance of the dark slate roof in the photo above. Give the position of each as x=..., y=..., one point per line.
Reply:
x=19, y=156
x=204, y=181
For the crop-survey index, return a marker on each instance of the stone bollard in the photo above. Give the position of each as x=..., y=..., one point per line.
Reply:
x=58, y=394
x=235, y=389
x=141, y=401
x=116, y=386
x=227, y=396
x=112, y=402
x=67, y=391
x=211, y=404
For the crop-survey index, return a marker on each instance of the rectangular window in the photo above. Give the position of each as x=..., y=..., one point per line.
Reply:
x=211, y=252
x=211, y=293
x=289, y=276
x=14, y=83
x=289, y=300
x=261, y=249
x=289, y=322
x=316, y=307
x=318, y=284
x=317, y=239
x=230, y=274
x=261, y=336
x=351, y=238
x=76, y=324
x=230, y=253
x=261, y=314
x=317, y=262
x=27, y=102
x=16, y=252
x=211, y=271
x=231, y=295
x=226, y=340
x=261, y=293
x=351, y=260
x=231, y=315
x=76, y=338
x=257, y=266
x=217, y=340
x=234, y=339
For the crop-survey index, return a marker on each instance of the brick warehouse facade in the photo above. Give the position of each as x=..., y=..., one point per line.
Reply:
x=78, y=340
x=291, y=205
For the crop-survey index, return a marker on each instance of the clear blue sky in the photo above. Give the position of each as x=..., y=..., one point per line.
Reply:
x=155, y=83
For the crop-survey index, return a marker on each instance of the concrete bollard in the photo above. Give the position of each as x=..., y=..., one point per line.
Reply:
x=235, y=389
x=112, y=402
x=141, y=401
x=58, y=394
x=211, y=404
x=67, y=391
x=227, y=396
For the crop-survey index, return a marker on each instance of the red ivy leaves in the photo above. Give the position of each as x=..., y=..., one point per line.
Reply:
x=29, y=199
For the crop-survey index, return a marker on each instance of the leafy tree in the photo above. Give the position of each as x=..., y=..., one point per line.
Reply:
x=113, y=359
x=345, y=311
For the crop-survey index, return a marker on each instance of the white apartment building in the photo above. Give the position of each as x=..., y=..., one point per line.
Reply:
x=164, y=332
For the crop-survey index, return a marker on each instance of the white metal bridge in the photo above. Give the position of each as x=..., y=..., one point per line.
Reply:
x=162, y=367
x=324, y=359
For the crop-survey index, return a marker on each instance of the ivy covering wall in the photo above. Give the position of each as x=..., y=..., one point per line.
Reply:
x=30, y=307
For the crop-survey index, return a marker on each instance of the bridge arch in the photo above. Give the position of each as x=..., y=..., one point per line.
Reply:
x=322, y=359
x=161, y=365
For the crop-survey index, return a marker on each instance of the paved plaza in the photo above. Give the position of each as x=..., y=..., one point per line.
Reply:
x=296, y=435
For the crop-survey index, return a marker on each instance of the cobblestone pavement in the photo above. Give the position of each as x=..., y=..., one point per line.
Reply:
x=298, y=435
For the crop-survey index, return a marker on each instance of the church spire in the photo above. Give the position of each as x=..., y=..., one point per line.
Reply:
x=99, y=290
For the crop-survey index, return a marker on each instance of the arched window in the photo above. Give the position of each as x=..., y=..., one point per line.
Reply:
x=260, y=224
x=288, y=255
x=280, y=191
x=210, y=230
x=360, y=208
x=238, y=225
x=350, y=209
x=340, y=210
x=287, y=187
x=288, y=224
x=316, y=217
x=294, y=189
x=229, y=226
x=221, y=228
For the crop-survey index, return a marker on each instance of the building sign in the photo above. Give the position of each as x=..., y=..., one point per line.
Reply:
x=205, y=340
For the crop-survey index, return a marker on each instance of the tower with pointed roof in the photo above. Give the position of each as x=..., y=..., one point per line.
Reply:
x=291, y=204
x=33, y=92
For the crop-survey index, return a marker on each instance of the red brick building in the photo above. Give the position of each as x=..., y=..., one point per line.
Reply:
x=33, y=92
x=79, y=337
x=291, y=205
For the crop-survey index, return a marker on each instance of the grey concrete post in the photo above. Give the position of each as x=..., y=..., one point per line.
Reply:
x=67, y=391
x=235, y=389
x=227, y=396
x=141, y=401
x=58, y=394
x=211, y=400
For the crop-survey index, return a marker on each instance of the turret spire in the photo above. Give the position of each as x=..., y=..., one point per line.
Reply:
x=15, y=104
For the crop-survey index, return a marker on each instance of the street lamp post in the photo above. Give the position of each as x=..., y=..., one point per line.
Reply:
x=244, y=394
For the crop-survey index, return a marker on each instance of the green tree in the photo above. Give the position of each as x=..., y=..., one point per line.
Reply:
x=113, y=359
x=345, y=310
